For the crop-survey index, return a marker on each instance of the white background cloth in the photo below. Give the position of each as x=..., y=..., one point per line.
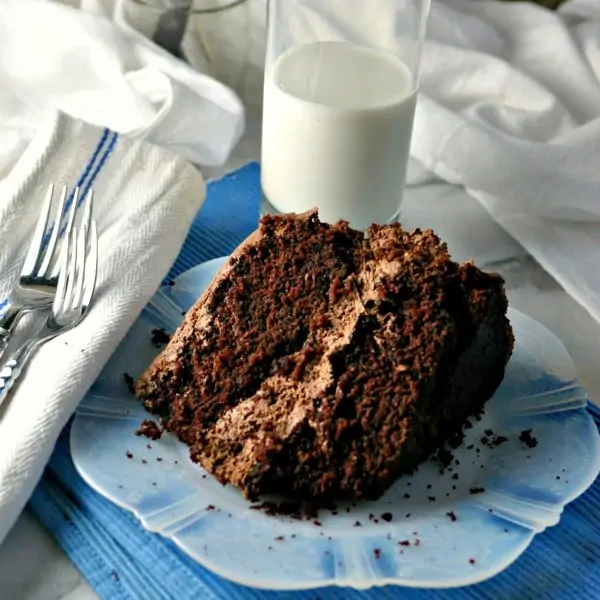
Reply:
x=509, y=109
x=54, y=56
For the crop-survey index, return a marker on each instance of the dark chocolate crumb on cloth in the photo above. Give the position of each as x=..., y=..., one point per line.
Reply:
x=149, y=429
x=352, y=358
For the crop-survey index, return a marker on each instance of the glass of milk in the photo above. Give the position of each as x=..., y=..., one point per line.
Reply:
x=340, y=89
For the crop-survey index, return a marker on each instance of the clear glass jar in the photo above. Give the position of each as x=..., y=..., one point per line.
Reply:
x=214, y=36
x=340, y=88
x=221, y=31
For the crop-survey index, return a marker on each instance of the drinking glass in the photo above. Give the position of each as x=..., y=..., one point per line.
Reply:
x=340, y=89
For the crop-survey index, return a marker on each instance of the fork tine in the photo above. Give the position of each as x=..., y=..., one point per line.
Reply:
x=72, y=212
x=91, y=266
x=63, y=276
x=72, y=266
x=66, y=232
x=35, y=247
x=51, y=247
x=83, y=250
x=87, y=214
x=78, y=286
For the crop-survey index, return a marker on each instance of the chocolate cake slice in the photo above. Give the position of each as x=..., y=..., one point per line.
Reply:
x=323, y=363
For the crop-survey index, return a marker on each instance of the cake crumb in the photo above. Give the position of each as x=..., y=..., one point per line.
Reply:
x=526, y=438
x=149, y=429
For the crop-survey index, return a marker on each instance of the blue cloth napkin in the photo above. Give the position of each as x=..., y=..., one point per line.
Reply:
x=121, y=560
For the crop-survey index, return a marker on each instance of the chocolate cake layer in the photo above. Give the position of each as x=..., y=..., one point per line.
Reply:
x=323, y=363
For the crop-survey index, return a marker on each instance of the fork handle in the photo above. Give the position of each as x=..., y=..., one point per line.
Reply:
x=14, y=367
x=8, y=321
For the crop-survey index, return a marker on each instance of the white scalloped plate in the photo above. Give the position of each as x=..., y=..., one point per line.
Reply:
x=422, y=546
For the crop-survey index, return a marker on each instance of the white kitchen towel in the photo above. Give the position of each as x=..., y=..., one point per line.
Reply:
x=54, y=56
x=144, y=201
x=510, y=109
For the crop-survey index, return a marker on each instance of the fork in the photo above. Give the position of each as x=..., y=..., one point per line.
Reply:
x=37, y=282
x=74, y=292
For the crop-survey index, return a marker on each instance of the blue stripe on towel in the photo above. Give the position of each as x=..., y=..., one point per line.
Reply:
x=94, y=174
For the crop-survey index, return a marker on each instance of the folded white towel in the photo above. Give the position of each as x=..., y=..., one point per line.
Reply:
x=58, y=57
x=144, y=201
x=510, y=110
